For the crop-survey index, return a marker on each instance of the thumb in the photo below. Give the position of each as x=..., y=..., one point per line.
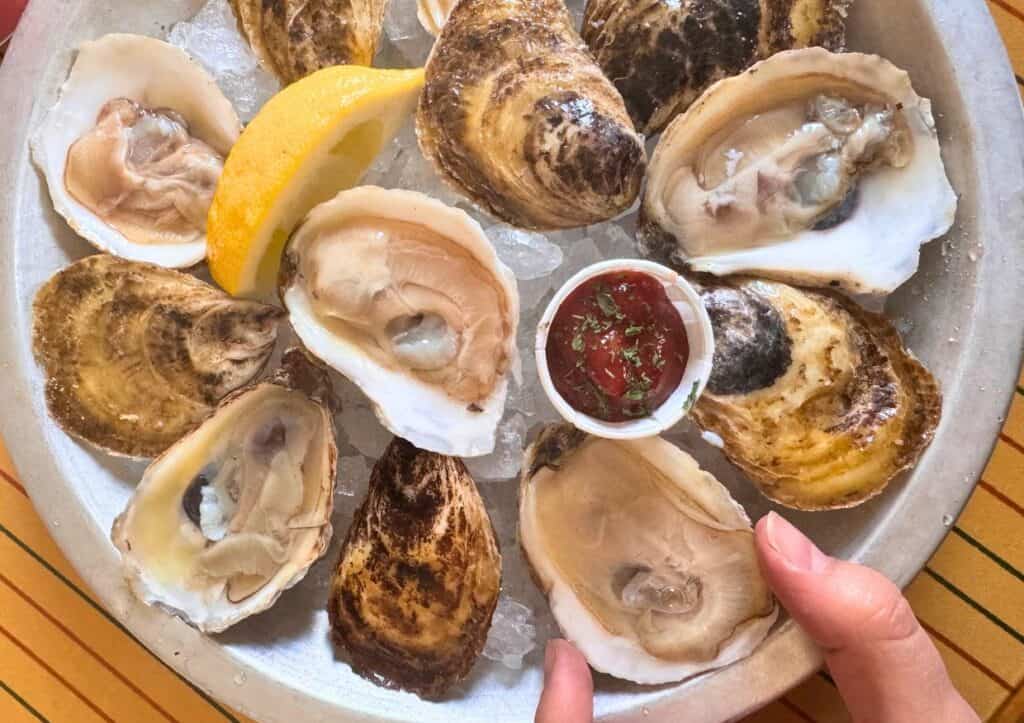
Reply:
x=568, y=695
x=884, y=664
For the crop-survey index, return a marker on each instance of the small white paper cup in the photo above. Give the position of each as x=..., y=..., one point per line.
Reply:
x=698, y=366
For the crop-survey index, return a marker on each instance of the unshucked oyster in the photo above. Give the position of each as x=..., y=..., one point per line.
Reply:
x=406, y=297
x=662, y=54
x=648, y=564
x=815, y=399
x=235, y=513
x=136, y=355
x=419, y=574
x=802, y=169
x=134, y=147
x=517, y=116
x=294, y=38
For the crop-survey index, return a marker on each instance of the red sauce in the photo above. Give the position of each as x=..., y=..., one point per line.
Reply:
x=617, y=347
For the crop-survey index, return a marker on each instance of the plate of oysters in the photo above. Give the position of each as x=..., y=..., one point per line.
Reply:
x=356, y=349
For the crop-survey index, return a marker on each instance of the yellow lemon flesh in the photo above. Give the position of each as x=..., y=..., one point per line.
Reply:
x=310, y=141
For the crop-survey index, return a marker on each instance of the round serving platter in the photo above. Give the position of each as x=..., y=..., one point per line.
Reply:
x=960, y=314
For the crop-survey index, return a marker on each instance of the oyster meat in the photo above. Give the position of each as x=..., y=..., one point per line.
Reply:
x=662, y=54
x=419, y=574
x=814, y=398
x=648, y=564
x=518, y=117
x=235, y=513
x=134, y=147
x=136, y=355
x=406, y=297
x=802, y=169
x=294, y=38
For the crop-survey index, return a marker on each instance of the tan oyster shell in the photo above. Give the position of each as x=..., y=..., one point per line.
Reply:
x=662, y=54
x=433, y=14
x=419, y=574
x=136, y=355
x=268, y=454
x=294, y=38
x=815, y=399
x=518, y=117
x=648, y=564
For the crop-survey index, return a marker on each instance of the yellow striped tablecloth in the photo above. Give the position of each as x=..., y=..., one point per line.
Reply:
x=63, y=658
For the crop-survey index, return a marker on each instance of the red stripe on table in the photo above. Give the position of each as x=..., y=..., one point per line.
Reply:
x=1001, y=497
x=966, y=656
x=1012, y=442
x=1008, y=8
x=42, y=663
x=13, y=482
x=796, y=710
x=99, y=658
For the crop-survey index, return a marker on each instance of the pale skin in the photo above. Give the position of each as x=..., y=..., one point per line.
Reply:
x=883, y=662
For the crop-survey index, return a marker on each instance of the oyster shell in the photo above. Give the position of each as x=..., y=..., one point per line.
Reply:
x=419, y=574
x=136, y=355
x=648, y=564
x=294, y=38
x=662, y=54
x=406, y=297
x=802, y=170
x=134, y=147
x=518, y=117
x=433, y=14
x=815, y=399
x=235, y=513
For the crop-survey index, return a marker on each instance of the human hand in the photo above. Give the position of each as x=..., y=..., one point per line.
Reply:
x=884, y=664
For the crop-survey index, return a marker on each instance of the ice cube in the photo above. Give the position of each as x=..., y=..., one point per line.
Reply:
x=512, y=635
x=528, y=254
x=358, y=424
x=405, y=33
x=614, y=241
x=506, y=459
x=212, y=37
x=581, y=254
x=353, y=474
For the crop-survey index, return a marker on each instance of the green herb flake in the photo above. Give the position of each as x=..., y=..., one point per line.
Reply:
x=635, y=395
x=577, y=343
x=607, y=304
x=632, y=355
x=634, y=330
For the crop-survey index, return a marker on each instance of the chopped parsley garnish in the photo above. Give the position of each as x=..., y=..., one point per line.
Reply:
x=634, y=330
x=577, y=342
x=607, y=304
x=632, y=355
x=635, y=395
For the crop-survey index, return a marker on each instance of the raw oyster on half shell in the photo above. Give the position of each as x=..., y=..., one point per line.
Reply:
x=648, y=564
x=294, y=38
x=136, y=355
x=814, y=398
x=235, y=513
x=134, y=147
x=419, y=574
x=662, y=54
x=406, y=297
x=803, y=170
x=517, y=116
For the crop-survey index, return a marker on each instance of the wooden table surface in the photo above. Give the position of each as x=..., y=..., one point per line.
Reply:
x=64, y=658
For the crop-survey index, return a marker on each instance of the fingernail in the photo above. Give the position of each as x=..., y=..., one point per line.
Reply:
x=550, y=657
x=793, y=545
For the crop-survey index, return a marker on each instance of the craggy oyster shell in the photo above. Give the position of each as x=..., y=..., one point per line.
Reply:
x=662, y=54
x=268, y=454
x=136, y=355
x=419, y=574
x=156, y=75
x=433, y=14
x=294, y=38
x=648, y=564
x=802, y=170
x=516, y=115
x=815, y=399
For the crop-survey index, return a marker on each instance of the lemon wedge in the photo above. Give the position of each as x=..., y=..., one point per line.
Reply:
x=310, y=141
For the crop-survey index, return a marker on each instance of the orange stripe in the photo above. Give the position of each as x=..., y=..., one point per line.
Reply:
x=64, y=629
x=1008, y=8
x=14, y=483
x=966, y=656
x=55, y=674
x=1001, y=497
x=1012, y=442
x=796, y=710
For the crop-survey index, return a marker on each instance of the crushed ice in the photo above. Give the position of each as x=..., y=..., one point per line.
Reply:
x=506, y=459
x=512, y=635
x=530, y=255
x=353, y=474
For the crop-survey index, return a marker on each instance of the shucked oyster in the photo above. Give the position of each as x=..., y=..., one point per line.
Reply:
x=419, y=574
x=294, y=38
x=662, y=54
x=134, y=147
x=516, y=115
x=648, y=564
x=816, y=399
x=802, y=169
x=406, y=297
x=136, y=355
x=235, y=513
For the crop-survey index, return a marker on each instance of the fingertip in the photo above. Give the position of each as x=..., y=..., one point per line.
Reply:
x=568, y=695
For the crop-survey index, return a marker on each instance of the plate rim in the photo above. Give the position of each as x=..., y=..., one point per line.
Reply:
x=996, y=345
